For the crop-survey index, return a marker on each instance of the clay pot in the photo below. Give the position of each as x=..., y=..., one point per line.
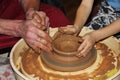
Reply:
x=64, y=55
x=66, y=45
x=65, y=48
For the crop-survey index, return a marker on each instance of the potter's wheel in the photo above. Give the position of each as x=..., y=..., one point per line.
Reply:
x=64, y=56
x=105, y=67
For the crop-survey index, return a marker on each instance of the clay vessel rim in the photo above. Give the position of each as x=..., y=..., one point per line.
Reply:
x=74, y=39
x=65, y=53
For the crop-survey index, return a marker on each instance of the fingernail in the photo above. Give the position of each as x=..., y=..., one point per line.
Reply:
x=51, y=48
x=78, y=55
x=84, y=55
x=38, y=52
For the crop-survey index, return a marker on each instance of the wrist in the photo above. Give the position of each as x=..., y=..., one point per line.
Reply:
x=18, y=28
x=77, y=28
x=9, y=27
x=94, y=36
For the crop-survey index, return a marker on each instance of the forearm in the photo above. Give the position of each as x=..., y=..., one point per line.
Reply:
x=83, y=13
x=107, y=31
x=27, y=4
x=9, y=27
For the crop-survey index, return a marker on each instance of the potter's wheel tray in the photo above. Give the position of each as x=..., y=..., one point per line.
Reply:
x=30, y=66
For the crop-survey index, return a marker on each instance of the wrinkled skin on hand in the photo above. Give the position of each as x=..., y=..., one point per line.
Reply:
x=30, y=30
x=40, y=17
x=87, y=44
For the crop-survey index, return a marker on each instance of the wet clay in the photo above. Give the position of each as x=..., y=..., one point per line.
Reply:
x=33, y=64
x=64, y=55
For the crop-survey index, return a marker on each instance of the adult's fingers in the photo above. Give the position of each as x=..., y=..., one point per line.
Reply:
x=37, y=17
x=43, y=35
x=39, y=25
x=44, y=42
x=42, y=16
x=37, y=46
x=29, y=13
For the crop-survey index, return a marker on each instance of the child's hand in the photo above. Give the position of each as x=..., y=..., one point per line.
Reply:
x=69, y=29
x=87, y=44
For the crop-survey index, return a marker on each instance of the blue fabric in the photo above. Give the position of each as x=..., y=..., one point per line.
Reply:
x=114, y=3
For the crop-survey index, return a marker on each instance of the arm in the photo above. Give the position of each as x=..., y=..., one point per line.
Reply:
x=12, y=25
x=107, y=31
x=28, y=29
x=91, y=38
x=37, y=39
x=10, y=28
x=83, y=13
x=27, y=4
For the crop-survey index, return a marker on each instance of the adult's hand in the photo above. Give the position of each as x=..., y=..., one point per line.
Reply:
x=39, y=16
x=30, y=30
